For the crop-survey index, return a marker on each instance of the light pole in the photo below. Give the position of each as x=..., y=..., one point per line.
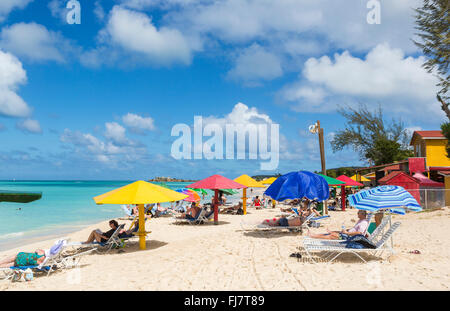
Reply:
x=316, y=129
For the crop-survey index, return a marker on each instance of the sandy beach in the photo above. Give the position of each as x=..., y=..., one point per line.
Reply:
x=225, y=257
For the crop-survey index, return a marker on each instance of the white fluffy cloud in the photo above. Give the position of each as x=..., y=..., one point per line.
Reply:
x=138, y=124
x=116, y=133
x=34, y=42
x=29, y=126
x=255, y=64
x=7, y=6
x=342, y=22
x=12, y=75
x=134, y=32
x=111, y=151
x=385, y=76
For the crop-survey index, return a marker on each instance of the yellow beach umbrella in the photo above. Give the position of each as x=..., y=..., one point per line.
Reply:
x=249, y=182
x=362, y=178
x=269, y=181
x=140, y=193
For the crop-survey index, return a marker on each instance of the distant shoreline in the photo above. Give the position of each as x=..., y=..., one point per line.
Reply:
x=169, y=179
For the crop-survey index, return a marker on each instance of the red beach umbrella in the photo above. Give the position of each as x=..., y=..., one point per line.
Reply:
x=216, y=182
x=348, y=183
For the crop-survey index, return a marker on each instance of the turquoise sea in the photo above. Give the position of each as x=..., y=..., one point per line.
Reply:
x=65, y=206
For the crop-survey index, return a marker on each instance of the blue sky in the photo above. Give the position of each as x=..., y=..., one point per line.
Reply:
x=98, y=100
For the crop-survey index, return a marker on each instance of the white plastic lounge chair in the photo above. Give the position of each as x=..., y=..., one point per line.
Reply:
x=372, y=237
x=335, y=248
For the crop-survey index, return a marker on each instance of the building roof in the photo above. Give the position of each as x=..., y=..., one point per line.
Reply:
x=417, y=178
x=427, y=135
x=425, y=181
x=390, y=176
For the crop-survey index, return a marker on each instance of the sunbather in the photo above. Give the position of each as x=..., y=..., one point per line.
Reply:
x=285, y=222
x=102, y=237
x=374, y=225
x=191, y=212
x=233, y=208
x=23, y=259
x=359, y=228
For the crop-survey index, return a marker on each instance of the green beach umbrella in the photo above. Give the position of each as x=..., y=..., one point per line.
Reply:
x=228, y=191
x=19, y=197
x=201, y=191
x=332, y=181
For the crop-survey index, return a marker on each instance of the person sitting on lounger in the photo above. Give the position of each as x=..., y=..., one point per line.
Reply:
x=374, y=225
x=191, y=212
x=102, y=237
x=23, y=259
x=359, y=228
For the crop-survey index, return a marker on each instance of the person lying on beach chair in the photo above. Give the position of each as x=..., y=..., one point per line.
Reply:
x=23, y=259
x=360, y=228
x=285, y=221
x=103, y=237
x=232, y=209
x=191, y=213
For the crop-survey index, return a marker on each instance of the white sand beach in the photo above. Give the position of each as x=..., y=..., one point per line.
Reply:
x=224, y=257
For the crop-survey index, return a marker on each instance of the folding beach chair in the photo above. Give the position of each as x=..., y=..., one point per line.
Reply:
x=113, y=242
x=334, y=248
x=373, y=238
x=8, y=273
x=197, y=220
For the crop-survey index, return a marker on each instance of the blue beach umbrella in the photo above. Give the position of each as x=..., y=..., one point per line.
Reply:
x=297, y=185
x=395, y=198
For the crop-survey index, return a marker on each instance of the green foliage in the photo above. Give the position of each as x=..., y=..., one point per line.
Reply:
x=433, y=23
x=369, y=135
x=336, y=172
x=446, y=131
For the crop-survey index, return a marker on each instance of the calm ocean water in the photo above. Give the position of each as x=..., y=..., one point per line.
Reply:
x=65, y=206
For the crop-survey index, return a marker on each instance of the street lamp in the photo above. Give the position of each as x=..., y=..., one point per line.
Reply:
x=316, y=129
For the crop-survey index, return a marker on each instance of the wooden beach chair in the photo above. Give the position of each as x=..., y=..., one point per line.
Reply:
x=332, y=249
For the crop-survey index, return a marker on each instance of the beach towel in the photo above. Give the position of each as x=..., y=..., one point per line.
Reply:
x=53, y=251
x=359, y=241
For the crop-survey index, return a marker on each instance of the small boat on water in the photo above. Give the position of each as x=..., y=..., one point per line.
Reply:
x=19, y=196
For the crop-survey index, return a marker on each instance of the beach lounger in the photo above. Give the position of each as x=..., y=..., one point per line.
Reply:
x=264, y=227
x=197, y=220
x=332, y=249
x=113, y=242
x=8, y=273
x=372, y=237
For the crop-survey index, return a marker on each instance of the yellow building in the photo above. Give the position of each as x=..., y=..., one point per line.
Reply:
x=431, y=145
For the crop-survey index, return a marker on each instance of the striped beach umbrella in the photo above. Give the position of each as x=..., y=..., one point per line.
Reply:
x=395, y=198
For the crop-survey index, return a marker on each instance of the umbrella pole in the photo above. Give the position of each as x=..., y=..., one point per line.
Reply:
x=216, y=207
x=141, y=232
x=343, y=197
x=244, y=200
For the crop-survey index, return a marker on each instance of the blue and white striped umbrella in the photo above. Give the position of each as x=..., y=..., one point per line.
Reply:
x=395, y=198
